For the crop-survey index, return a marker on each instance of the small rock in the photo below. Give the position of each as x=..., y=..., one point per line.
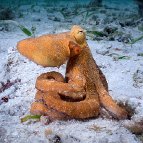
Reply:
x=48, y=132
x=54, y=138
x=112, y=39
x=45, y=120
x=5, y=99
x=102, y=52
x=1, y=28
x=123, y=39
x=110, y=30
x=138, y=78
x=94, y=17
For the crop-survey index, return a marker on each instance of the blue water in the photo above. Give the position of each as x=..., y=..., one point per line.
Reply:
x=64, y=2
x=70, y=9
x=119, y=4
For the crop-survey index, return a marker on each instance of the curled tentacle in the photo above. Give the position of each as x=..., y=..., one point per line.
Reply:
x=52, y=76
x=39, y=108
x=89, y=107
x=79, y=110
x=85, y=65
x=54, y=81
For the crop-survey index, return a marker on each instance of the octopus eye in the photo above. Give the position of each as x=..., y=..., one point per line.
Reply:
x=80, y=31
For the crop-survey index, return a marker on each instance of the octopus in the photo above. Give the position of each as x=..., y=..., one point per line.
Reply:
x=83, y=92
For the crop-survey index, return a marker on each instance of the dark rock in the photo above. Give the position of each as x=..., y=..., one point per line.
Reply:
x=55, y=139
x=1, y=28
x=123, y=39
x=112, y=39
x=6, y=14
x=110, y=30
x=5, y=99
x=127, y=23
x=103, y=11
x=140, y=7
x=95, y=3
x=138, y=78
x=94, y=17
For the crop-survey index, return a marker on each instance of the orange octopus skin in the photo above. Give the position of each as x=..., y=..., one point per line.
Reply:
x=75, y=49
x=54, y=81
x=105, y=99
x=46, y=50
x=65, y=109
x=78, y=110
x=85, y=66
x=86, y=108
x=84, y=90
x=51, y=50
x=53, y=99
x=38, y=108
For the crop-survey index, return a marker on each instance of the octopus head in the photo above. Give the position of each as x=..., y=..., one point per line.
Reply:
x=78, y=34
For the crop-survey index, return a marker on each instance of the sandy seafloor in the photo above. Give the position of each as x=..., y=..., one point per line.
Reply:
x=124, y=75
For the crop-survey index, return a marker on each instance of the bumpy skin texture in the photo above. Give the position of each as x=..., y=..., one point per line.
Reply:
x=84, y=90
x=83, y=77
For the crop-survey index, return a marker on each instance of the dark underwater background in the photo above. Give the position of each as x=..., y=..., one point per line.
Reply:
x=81, y=12
x=101, y=18
x=116, y=4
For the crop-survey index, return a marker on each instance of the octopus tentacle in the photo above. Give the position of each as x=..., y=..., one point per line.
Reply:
x=39, y=108
x=105, y=99
x=102, y=77
x=88, y=68
x=53, y=81
x=108, y=103
x=79, y=110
